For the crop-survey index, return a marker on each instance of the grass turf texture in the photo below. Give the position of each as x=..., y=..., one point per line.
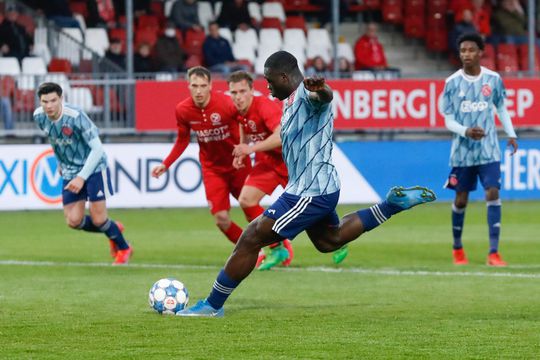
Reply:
x=398, y=294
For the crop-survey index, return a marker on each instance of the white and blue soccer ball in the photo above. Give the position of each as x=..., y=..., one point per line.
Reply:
x=168, y=296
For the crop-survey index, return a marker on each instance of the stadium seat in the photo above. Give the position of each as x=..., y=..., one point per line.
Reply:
x=270, y=37
x=97, y=40
x=254, y=10
x=157, y=8
x=437, y=41
x=68, y=45
x=244, y=52
x=488, y=57
x=273, y=10
x=414, y=27
x=259, y=65
x=300, y=6
x=299, y=52
x=7, y=85
x=271, y=23
x=42, y=51
x=193, y=60
x=414, y=8
x=9, y=66
x=345, y=50
x=119, y=34
x=33, y=65
x=217, y=7
x=167, y=7
x=226, y=33
x=314, y=50
x=247, y=36
x=79, y=7
x=82, y=98
x=507, y=58
x=392, y=11
x=295, y=36
x=146, y=35
x=24, y=100
x=148, y=21
x=60, y=65
x=81, y=21
x=62, y=80
x=40, y=35
x=523, y=50
x=193, y=42
x=296, y=22
x=437, y=6
x=206, y=13
x=318, y=38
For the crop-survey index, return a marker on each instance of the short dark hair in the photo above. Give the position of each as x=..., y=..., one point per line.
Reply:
x=199, y=71
x=474, y=37
x=49, y=87
x=282, y=61
x=240, y=75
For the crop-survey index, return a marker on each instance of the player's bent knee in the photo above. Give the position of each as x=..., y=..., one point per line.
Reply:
x=327, y=245
x=73, y=222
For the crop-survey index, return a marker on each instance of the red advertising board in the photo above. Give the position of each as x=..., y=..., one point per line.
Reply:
x=397, y=104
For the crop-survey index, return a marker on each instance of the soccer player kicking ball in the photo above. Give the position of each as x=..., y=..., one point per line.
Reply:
x=470, y=95
x=83, y=165
x=312, y=193
x=212, y=116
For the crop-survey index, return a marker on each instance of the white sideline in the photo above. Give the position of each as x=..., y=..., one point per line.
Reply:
x=389, y=272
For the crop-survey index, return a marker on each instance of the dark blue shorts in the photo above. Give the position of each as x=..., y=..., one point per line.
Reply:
x=465, y=178
x=294, y=214
x=97, y=187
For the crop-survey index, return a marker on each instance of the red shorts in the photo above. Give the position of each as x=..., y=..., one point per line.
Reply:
x=218, y=186
x=265, y=177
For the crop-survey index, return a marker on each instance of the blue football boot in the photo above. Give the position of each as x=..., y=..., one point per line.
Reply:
x=202, y=309
x=406, y=198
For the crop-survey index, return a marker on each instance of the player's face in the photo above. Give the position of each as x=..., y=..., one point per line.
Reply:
x=199, y=88
x=241, y=94
x=469, y=53
x=52, y=105
x=276, y=83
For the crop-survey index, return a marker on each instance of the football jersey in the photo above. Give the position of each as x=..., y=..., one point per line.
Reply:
x=69, y=137
x=259, y=122
x=472, y=102
x=306, y=135
x=215, y=127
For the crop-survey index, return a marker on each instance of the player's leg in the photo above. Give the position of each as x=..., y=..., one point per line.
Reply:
x=217, y=189
x=74, y=215
x=490, y=175
x=99, y=188
x=462, y=180
x=330, y=234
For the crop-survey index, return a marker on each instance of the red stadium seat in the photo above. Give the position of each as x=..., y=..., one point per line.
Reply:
x=24, y=100
x=119, y=34
x=507, y=58
x=296, y=22
x=414, y=26
x=148, y=21
x=271, y=23
x=157, y=8
x=437, y=7
x=60, y=65
x=79, y=7
x=193, y=42
x=437, y=40
x=524, y=57
x=488, y=57
x=300, y=6
x=193, y=60
x=146, y=35
x=373, y=4
x=7, y=85
x=414, y=8
x=392, y=11
x=98, y=95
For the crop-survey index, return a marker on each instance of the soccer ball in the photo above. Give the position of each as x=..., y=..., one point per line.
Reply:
x=168, y=296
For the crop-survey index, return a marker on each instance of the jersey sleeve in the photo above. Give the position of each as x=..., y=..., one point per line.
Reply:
x=500, y=93
x=447, y=105
x=182, y=138
x=88, y=130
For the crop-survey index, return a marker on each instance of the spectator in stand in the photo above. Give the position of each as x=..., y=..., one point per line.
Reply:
x=369, y=52
x=140, y=7
x=234, y=14
x=59, y=12
x=185, y=16
x=218, y=53
x=509, y=19
x=142, y=60
x=169, y=54
x=345, y=68
x=465, y=26
x=14, y=39
x=101, y=13
x=114, y=53
x=482, y=17
x=318, y=67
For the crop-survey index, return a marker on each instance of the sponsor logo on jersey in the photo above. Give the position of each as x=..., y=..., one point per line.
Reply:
x=486, y=90
x=252, y=125
x=45, y=178
x=473, y=106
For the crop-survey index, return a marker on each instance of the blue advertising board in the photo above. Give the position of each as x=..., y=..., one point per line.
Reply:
x=387, y=163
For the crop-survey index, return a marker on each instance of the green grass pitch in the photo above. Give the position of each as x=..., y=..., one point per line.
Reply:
x=397, y=295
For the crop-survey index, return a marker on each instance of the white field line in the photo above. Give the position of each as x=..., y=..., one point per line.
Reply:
x=386, y=271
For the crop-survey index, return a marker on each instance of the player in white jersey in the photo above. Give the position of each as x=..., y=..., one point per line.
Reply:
x=83, y=166
x=310, y=198
x=470, y=97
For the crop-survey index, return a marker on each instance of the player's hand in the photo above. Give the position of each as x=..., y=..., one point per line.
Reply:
x=314, y=83
x=238, y=162
x=513, y=143
x=158, y=170
x=242, y=149
x=75, y=185
x=475, y=133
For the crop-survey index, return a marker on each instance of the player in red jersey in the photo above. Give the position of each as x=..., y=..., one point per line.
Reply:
x=212, y=116
x=259, y=119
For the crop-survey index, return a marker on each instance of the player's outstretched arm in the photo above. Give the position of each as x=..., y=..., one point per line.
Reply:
x=320, y=91
x=181, y=143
